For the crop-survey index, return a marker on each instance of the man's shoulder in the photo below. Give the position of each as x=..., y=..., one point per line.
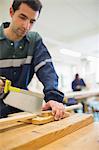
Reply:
x=1, y=32
x=81, y=79
x=73, y=81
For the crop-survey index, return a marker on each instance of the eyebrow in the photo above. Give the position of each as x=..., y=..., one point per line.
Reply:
x=26, y=17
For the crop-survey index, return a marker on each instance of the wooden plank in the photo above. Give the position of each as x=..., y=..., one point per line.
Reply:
x=46, y=117
x=86, y=138
x=27, y=117
x=31, y=137
x=21, y=117
x=83, y=94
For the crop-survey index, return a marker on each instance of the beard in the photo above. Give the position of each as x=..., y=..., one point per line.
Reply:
x=19, y=32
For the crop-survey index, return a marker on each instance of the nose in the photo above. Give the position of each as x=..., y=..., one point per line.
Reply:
x=26, y=24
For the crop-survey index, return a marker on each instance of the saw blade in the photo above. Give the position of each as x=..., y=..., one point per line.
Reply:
x=24, y=101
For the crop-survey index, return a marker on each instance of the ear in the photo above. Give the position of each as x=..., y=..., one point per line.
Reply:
x=11, y=12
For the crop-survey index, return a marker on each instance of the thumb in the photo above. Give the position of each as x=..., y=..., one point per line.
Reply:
x=45, y=106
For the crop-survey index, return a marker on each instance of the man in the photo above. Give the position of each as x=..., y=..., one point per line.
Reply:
x=23, y=53
x=78, y=83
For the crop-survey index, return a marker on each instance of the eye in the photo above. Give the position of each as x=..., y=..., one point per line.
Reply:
x=23, y=17
x=32, y=21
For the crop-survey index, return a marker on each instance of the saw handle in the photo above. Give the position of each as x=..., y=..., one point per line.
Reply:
x=5, y=86
x=9, y=88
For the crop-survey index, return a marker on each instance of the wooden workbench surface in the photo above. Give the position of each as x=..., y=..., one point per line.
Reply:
x=86, y=138
x=23, y=136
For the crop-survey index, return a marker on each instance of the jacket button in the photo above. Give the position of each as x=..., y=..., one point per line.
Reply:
x=12, y=44
x=13, y=56
x=14, y=73
x=20, y=47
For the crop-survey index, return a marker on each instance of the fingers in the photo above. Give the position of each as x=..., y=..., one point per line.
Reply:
x=58, y=114
x=58, y=110
x=45, y=106
x=1, y=86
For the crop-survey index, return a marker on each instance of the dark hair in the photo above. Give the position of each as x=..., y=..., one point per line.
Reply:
x=36, y=5
x=76, y=75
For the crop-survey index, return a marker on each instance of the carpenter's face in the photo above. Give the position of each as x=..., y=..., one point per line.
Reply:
x=23, y=19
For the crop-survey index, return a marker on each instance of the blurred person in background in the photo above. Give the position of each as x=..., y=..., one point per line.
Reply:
x=78, y=83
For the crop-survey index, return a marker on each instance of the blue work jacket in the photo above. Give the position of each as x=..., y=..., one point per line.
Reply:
x=18, y=63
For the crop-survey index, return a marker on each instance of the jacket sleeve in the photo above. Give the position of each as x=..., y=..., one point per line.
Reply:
x=74, y=86
x=83, y=83
x=45, y=72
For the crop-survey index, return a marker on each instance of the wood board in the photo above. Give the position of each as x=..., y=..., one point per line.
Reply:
x=23, y=136
x=86, y=138
x=28, y=117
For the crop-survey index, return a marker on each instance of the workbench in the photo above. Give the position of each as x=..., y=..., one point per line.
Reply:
x=83, y=94
x=86, y=138
x=69, y=133
x=82, y=97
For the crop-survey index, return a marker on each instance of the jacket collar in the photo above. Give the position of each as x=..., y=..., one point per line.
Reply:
x=2, y=36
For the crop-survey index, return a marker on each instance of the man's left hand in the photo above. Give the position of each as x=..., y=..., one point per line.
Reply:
x=58, y=109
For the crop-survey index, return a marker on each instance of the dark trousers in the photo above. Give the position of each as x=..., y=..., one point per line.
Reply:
x=5, y=110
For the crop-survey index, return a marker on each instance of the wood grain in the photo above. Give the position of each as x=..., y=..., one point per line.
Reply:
x=33, y=137
x=46, y=117
x=27, y=117
x=86, y=138
x=21, y=117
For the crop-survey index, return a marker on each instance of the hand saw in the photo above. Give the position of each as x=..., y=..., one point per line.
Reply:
x=22, y=99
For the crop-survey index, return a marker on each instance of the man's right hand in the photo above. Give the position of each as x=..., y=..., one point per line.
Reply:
x=2, y=84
